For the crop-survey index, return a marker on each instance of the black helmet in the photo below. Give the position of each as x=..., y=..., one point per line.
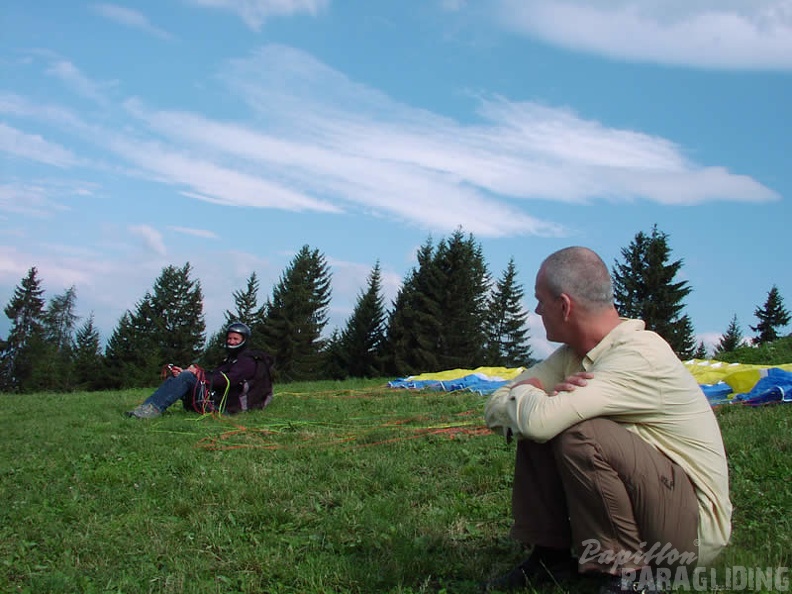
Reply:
x=239, y=328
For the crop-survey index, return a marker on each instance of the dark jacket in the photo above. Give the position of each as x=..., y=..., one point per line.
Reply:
x=239, y=368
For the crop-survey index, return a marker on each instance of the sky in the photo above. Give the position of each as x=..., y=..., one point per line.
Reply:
x=231, y=133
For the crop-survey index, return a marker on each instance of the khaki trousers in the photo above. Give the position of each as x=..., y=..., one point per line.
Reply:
x=604, y=492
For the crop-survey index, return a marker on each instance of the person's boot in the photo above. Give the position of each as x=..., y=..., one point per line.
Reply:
x=640, y=581
x=543, y=566
x=144, y=411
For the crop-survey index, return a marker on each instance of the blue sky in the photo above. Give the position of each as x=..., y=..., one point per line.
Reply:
x=230, y=133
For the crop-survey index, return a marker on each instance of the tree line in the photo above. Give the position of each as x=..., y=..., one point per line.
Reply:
x=449, y=313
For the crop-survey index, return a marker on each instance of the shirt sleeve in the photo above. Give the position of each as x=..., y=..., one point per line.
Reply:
x=497, y=410
x=625, y=388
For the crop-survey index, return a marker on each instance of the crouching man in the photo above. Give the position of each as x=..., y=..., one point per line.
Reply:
x=620, y=467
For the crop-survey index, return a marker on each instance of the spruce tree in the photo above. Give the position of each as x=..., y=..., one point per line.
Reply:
x=25, y=345
x=359, y=348
x=335, y=361
x=167, y=326
x=54, y=372
x=132, y=357
x=414, y=324
x=296, y=316
x=246, y=310
x=506, y=327
x=644, y=288
x=701, y=351
x=772, y=316
x=88, y=361
x=731, y=340
x=60, y=320
x=464, y=289
x=178, y=324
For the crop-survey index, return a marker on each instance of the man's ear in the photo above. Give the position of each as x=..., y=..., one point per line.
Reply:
x=566, y=306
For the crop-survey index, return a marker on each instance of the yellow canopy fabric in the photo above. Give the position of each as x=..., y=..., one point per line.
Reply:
x=741, y=377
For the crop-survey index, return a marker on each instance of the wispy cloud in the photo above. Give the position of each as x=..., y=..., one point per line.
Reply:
x=517, y=150
x=704, y=34
x=81, y=84
x=151, y=238
x=34, y=147
x=202, y=233
x=321, y=142
x=256, y=12
x=30, y=199
x=130, y=18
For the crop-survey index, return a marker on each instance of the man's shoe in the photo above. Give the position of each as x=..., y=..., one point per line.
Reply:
x=640, y=581
x=539, y=569
x=144, y=411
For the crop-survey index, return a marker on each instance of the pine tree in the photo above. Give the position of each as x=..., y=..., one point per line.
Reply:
x=246, y=310
x=296, y=316
x=25, y=343
x=247, y=306
x=132, y=356
x=644, y=288
x=439, y=315
x=178, y=324
x=167, y=326
x=54, y=371
x=731, y=340
x=359, y=348
x=60, y=320
x=701, y=351
x=88, y=361
x=335, y=361
x=414, y=324
x=772, y=316
x=507, y=330
x=464, y=289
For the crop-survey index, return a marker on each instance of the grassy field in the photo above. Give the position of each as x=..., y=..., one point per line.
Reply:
x=336, y=487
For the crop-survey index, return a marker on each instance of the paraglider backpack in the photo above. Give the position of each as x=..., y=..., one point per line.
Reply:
x=256, y=392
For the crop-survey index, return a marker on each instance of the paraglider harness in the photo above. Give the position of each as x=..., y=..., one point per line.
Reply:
x=202, y=399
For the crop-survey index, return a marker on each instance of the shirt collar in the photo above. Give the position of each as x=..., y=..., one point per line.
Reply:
x=625, y=327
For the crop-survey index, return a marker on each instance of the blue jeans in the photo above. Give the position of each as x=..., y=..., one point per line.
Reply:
x=172, y=389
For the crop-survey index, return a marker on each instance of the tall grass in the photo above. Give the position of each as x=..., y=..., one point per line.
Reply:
x=336, y=487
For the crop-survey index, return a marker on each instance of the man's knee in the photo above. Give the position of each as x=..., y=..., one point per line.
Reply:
x=578, y=440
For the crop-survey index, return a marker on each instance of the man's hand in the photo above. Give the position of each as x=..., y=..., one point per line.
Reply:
x=576, y=380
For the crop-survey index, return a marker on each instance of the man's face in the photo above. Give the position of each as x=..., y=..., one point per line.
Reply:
x=549, y=307
x=234, y=338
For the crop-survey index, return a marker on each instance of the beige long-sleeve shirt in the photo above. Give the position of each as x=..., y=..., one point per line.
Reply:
x=638, y=382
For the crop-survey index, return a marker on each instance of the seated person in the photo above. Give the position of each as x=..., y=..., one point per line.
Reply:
x=620, y=460
x=232, y=375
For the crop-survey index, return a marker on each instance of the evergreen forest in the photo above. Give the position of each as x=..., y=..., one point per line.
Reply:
x=451, y=312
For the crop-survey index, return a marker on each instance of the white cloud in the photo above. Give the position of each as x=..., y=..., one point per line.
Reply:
x=321, y=142
x=43, y=198
x=79, y=82
x=151, y=238
x=34, y=147
x=215, y=182
x=740, y=34
x=202, y=233
x=255, y=12
x=364, y=145
x=130, y=18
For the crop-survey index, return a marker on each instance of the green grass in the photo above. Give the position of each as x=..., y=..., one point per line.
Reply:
x=336, y=487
